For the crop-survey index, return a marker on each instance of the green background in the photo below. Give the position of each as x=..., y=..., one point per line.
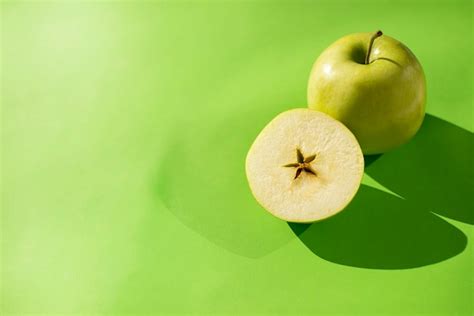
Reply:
x=125, y=127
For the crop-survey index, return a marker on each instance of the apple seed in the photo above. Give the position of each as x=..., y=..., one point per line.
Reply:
x=303, y=164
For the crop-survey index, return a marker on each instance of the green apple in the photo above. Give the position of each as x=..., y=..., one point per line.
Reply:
x=304, y=166
x=374, y=85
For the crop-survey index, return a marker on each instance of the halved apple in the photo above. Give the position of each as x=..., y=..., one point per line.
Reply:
x=304, y=166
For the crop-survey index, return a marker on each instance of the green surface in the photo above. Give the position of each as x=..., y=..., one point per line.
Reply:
x=124, y=132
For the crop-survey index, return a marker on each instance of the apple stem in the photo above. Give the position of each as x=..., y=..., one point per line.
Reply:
x=372, y=39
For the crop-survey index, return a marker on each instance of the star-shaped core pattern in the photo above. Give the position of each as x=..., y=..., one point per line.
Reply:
x=302, y=164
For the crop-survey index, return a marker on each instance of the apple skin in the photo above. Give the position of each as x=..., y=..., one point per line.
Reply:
x=383, y=102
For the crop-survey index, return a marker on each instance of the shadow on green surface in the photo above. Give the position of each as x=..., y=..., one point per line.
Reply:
x=201, y=180
x=370, y=159
x=381, y=231
x=378, y=230
x=434, y=170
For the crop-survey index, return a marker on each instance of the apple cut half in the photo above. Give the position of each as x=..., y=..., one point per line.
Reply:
x=304, y=166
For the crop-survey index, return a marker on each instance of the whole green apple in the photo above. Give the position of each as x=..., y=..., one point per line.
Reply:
x=374, y=85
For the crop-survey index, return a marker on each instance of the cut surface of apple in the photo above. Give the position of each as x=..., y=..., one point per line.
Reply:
x=304, y=166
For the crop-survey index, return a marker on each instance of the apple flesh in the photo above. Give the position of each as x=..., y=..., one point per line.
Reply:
x=382, y=102
x=304, y=166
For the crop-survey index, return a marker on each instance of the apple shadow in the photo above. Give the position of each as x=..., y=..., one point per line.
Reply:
x=382, y=231
x=434, y=175
x=370, y=159
x=201, y=180
x=434, y=171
